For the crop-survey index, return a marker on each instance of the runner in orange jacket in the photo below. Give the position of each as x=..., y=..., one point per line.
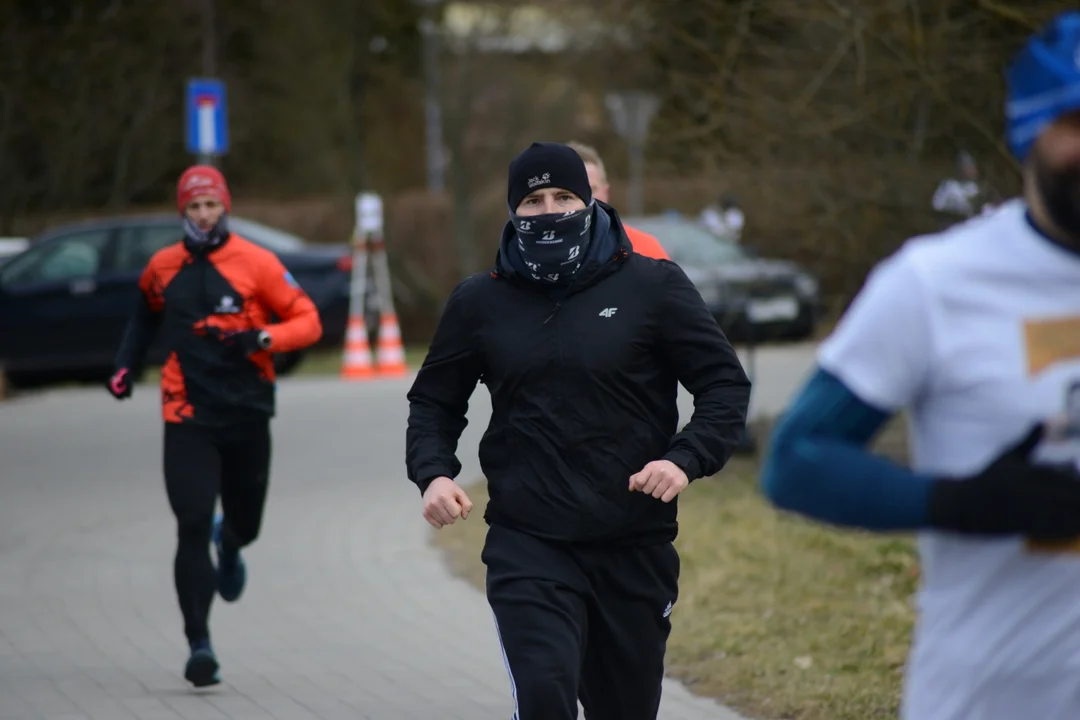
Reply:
x=643, y=242
x=209, y=298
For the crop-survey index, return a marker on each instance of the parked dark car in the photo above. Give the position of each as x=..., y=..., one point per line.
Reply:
x=12, y=246
x=750, y=297
x=66, y=299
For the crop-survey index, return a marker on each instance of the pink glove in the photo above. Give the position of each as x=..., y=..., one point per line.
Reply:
x=120, y=384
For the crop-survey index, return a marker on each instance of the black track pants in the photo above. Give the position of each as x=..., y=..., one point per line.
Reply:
x=200, y=464
x=581, y=623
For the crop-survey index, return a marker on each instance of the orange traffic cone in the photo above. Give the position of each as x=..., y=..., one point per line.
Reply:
x=357, y=363
x=390, y=353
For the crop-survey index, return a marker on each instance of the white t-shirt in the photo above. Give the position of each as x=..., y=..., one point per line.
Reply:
x=976, y=332
x=958, y=197
x=726, y=223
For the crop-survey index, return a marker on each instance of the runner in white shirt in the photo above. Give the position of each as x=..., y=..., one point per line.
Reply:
x=964, y=195
x=975, y=332
x=724, y=219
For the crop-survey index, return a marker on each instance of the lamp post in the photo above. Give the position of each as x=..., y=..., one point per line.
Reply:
x=429, y=34
x=631, y=113
x=209, y=56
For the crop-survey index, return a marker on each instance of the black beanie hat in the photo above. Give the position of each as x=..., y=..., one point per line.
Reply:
x=547, y=165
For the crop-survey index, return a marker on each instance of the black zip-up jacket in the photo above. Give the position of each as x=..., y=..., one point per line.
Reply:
x=583, y=393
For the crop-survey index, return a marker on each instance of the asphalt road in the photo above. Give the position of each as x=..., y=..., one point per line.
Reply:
x=349, y=613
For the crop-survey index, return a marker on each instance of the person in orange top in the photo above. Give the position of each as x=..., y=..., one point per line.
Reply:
x=210, y=297
x=643, y=242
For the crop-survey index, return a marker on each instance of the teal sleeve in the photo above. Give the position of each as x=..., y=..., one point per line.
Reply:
x=818, y=464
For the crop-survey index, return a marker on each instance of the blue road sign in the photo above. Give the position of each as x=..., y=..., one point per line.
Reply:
x=207, y=122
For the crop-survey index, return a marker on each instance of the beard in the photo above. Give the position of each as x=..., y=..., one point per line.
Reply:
x=1060, y=194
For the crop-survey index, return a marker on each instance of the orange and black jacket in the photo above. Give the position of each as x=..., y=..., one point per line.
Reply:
x=195, y=297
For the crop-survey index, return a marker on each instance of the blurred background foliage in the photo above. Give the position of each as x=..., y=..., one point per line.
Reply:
x=832, y=120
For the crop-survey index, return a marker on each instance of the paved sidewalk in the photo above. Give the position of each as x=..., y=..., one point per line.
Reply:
x=349, y=613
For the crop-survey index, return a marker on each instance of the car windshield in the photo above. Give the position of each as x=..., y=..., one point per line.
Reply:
x=272, y=239
x=689, y=244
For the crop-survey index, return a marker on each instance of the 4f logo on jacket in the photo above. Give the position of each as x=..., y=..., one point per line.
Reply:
x=608, y=312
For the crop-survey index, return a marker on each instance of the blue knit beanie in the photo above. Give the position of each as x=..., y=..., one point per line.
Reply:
x=1043, y=82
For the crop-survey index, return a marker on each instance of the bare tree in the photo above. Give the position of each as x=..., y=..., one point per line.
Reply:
x=837, y=117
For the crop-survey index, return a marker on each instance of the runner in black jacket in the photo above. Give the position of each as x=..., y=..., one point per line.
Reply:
x=582, y=345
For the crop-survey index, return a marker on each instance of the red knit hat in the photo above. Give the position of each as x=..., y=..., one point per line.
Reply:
x=200, y=180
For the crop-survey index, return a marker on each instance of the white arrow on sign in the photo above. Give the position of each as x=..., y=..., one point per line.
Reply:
x=207, y=127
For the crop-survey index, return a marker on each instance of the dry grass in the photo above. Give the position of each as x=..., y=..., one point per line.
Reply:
x=777, y=617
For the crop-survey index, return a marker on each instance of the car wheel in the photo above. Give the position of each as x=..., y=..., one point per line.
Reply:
x=16, y=380
x=805, y=330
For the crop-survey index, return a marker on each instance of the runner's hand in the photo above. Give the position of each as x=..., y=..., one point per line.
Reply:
x=445, y=502
x=246, y=341
x=120, y=384
x=662, y=479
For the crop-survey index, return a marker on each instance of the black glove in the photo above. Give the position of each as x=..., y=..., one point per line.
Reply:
x=246, y=341
x=120, y=384
x=1012, y=496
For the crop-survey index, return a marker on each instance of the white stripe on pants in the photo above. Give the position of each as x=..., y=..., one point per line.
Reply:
x=506, y=662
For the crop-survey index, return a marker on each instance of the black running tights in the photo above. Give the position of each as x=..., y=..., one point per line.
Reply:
x=200, y=464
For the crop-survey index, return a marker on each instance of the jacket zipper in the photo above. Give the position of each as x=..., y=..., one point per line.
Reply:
x=558, y=334
x=554, y=311
x=202, y=260
x=558, y=325
x=620, y=254
x=558, y=303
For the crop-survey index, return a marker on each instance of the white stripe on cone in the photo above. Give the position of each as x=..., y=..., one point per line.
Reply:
x=356, y=334
x=357, y=357
x=389, y=329
x=388, y=355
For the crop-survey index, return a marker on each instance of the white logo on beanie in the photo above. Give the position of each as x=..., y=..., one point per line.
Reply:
x=198, y=181
x=542, y=180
